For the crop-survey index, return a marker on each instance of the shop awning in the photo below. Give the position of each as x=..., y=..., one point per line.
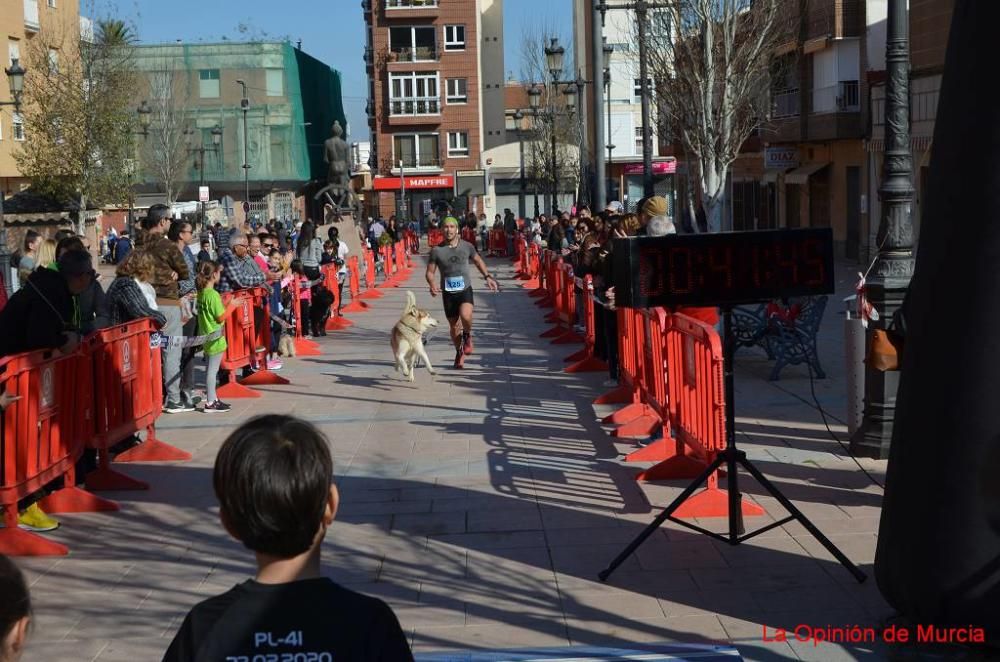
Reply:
x=802, y=174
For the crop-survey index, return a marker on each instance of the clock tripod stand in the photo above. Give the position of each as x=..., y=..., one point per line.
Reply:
x=731, y=457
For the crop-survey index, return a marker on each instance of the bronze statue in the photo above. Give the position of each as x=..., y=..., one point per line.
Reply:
x=337, y=156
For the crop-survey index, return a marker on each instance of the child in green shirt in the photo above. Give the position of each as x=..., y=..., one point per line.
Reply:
x=211, y=318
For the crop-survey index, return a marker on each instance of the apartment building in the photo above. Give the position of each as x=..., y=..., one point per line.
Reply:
x=292, y=101
x=435, y=99
x=930, y=23
x=21, y=21
x=622, y=106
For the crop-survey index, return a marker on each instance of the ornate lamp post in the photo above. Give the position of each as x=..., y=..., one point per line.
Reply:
x=608, y=50
x=518, y=118
x=894, y=263
x=200, y=151
x=15, y=76
x=245, y=107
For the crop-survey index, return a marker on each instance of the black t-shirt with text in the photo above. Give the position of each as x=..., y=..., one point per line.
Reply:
x=312, y=620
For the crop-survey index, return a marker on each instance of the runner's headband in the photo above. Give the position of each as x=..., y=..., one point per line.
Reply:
x=452, y=220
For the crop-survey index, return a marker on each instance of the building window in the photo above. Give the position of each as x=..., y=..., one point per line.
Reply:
x=416, y=151
x=454, y=37
x=638, y=140
x=637, y=89
x=52, y=3
x=18, y=126
x=208, y=83
x=414, y=94
x=457, y=91
x=458, y=143
x=412, y=44
x=275, y=81
x=280, y=151
x=53, y=61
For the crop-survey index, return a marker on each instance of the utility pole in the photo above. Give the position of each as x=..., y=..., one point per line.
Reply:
x=245, y=106
x=598, y=65
x=893, y=266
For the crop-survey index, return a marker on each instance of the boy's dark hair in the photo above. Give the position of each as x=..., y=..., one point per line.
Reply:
x=272, y=478
x=16, y=603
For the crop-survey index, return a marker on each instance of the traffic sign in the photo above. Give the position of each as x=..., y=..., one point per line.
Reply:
x=202, y=194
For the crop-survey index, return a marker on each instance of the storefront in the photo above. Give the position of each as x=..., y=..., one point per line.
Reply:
x=627, y=182
x=414, y=197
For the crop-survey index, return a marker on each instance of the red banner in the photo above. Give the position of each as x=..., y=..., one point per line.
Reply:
x=414, y=182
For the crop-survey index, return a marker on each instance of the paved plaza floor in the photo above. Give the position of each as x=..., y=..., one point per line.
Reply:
x=481, y=503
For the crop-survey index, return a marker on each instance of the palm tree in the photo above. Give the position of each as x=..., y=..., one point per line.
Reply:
x=114, y=32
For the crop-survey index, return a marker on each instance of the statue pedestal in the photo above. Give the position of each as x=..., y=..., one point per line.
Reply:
x=349, y=234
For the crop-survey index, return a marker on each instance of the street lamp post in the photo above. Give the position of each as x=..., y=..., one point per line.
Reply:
x=893, y=266
x=145, y=114
x=245, y=107
x=608, y=51
x=600, y=53
x=554, y=62
x=200, y=151
x=518, y=117
x=15, y=76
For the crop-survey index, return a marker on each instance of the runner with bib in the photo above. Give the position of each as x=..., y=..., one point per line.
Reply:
x=453, y=257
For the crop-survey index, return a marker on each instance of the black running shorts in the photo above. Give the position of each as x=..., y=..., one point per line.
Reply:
x=453, y=302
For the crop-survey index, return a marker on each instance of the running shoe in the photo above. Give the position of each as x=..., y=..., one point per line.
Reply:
x=217, y=407
x=459, y=359
x=467, y=343
x=34, y=519
x=275, y=364
x=176, y=407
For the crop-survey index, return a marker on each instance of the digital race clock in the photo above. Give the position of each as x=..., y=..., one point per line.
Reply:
x=724, y=268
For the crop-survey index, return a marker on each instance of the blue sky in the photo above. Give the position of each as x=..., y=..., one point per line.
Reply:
x=330, y=30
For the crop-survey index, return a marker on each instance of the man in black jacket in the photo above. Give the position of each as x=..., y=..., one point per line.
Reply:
x=41, y=315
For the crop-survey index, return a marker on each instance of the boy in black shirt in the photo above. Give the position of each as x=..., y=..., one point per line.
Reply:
x=272, y=479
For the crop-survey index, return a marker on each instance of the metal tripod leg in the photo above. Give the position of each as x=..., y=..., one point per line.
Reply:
x=661, y=518
x=804, y=521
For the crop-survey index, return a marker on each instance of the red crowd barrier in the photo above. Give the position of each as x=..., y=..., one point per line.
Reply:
x=534, y=269
x=389, y=278
x=412, y=242
x=247, y=346
x=402, y=268
x=303, y=346
x=357, y=305
x=337, y=321
x=469, y=235
x=498, y=243
x=585, y=360
x=435, y=237
x=262, y=341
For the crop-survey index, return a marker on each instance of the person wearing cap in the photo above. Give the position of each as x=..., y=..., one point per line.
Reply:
x=650, y=207
x=452, y=258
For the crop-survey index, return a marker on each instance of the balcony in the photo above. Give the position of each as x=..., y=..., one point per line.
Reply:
x=844, y=97
x=785, y=104
x=409, y=54
x=31, y=23
x=411, y=163
x=414, y=106
x=411, y=8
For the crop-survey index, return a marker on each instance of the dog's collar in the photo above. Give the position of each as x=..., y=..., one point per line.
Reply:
x=412, y=328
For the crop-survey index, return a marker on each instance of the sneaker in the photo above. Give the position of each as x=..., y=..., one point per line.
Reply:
x=467, y=343
x=34, y=519
x=610, y=383
x=217, y=407
x=275, y=364
x=190, y=400
x=176, y=407
x=459, y=359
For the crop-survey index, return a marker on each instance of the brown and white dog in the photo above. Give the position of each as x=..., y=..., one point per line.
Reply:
x=407, y=337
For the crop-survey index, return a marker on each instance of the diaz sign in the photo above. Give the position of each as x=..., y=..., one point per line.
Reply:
x=781, y=158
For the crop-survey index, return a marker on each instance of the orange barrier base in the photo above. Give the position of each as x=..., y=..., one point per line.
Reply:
x=714, y=503
x=679, y=467
x=578, y=355
x=367, y=294
x=16, y=542
x=639, y=427
x=233, y=389
x=337, y=323
x=531, y=284
x=306, y=347
x=589, y=364
x=569, y=338
x=153, y=450
x=75, y=500
x=264, y=378
x=626, y=414
x=356, y=306
x=619, y=396
x=554, y=332
x=658, y=451
x=104, y=479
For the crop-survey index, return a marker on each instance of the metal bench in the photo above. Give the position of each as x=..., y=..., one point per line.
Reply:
x=784, y=343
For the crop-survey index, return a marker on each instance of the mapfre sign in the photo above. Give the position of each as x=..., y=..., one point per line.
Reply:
x=781, y=158
x=394, y=184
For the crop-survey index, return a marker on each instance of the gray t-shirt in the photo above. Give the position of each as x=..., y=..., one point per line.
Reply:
x=453, y=263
